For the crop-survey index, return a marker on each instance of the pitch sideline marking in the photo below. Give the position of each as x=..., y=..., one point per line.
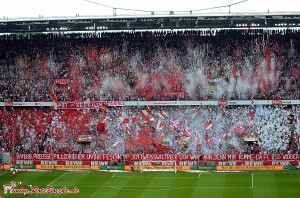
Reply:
x=165, y=187
x=195, y=177
x=57, y=178
x=174, y=188
x=114, y=175
x=252, y=180
x=144, y=190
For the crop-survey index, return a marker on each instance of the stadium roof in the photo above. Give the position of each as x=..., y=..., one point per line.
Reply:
x=150, y=22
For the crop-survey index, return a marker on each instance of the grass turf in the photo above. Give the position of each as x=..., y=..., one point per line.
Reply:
x=160, y=184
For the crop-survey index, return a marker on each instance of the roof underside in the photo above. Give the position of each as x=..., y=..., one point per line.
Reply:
x=150, y=22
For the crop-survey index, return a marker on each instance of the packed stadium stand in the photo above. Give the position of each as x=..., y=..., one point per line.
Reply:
x=166, y=65
x=162, y=65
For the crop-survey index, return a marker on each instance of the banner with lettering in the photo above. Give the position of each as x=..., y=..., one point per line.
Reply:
x=112, y=167
x=158, y=157
x=257, y=163
x=81, y=105
x=28, y=164
x=249, y=168
x=25, y=166
x=64, y=167
x=62, y=81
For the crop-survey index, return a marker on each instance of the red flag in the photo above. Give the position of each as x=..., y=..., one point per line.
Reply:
x=149, y=119
x=294, y=72
x=101, y=128
x=162, y=115
x=208, y=125
x=124, y=120
x=252, y=115
x=159, y=125
x=144, y=113
x=135, y=118
x=186, y=133
x=174, y=125
x=103, y=107
x=149, y=111
x=119, y=114
x=160, y=148
x=209, y=141
x=127, y=128
x=137, y=136
x=239, y=129
x=181, y=110
x=233, y=71
x=104, y=118
x=225, y=137
x=115, y=145
x=222, y=110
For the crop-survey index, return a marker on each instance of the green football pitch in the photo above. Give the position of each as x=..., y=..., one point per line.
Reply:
x=160, y=184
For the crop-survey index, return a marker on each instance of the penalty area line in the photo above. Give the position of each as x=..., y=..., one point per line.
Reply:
x=57, y=178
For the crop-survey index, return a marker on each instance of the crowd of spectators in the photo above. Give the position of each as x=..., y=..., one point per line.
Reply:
x=260, y=129
x=162, y=65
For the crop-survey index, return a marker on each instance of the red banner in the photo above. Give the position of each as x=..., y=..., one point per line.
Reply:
x=246, y=157
x=222, y=102
x=62, y=81
x=179, y=163
x=8, y=104
x=158, y=157
x=276, y=102
x=81, y=105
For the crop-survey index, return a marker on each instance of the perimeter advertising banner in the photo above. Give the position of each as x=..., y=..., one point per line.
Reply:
x=159, y=167
x=25, y=166
x=291, y=167
x=258, y=163
x=64, y=167
x=115, y=167
x=205, y=168
x=249, y=168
